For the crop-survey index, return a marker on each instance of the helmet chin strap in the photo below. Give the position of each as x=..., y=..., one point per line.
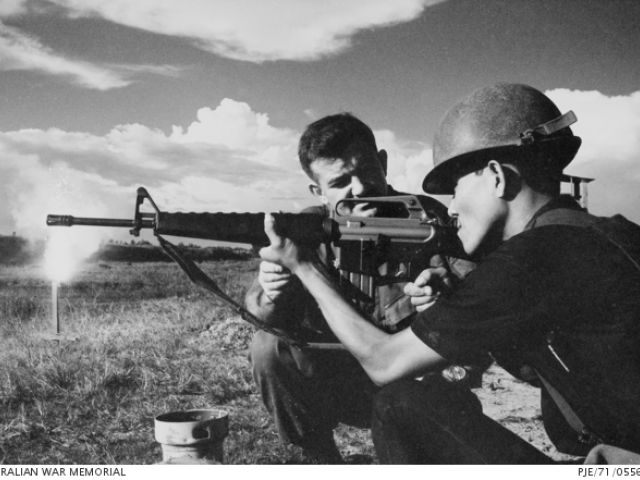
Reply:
x=545, y=129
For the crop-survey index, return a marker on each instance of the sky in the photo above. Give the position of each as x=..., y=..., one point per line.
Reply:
x=203, y=101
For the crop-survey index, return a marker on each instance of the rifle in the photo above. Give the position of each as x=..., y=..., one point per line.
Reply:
x=402, y=231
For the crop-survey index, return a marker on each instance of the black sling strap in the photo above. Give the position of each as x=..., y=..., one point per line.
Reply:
x=197, y=276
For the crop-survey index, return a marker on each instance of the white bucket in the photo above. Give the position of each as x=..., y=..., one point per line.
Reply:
x=192, y=436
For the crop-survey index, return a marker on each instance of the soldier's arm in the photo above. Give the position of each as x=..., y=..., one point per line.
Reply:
x=284, y=311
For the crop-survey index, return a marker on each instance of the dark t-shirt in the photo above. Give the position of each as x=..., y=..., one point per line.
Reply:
x=552, y=274
x=550, y=279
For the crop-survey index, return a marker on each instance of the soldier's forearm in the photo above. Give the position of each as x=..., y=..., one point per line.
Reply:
x=257, y=302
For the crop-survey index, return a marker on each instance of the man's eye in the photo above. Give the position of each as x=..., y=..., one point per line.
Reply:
x=339, y=183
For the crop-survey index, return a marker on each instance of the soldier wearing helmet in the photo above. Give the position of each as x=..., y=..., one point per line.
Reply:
x=553, y=299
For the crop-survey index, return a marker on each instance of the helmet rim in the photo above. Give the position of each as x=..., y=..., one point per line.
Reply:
x=442, y=178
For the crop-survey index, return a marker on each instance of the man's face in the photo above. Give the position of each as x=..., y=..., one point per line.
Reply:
x=478, y=210
x=360, y=172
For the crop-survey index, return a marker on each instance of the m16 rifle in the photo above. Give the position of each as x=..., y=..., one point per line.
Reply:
x=401, y=232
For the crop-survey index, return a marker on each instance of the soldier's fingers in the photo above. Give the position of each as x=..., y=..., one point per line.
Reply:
x=422, y=308
x=431, y=276
x=364, y=210
x=424, y=278
x=419, y=301
x=270, y=267
x=275, y=277
x=429, y=291
x=270, y=230
x=276, y=286
x=413, y=290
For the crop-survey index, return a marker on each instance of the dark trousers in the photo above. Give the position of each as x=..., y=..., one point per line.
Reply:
x=436, y=422
x=308, y=392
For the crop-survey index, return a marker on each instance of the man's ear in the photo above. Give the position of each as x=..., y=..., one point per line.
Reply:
x=382, y=157
x=507, y=181
x=316, y=191
x=498, y=177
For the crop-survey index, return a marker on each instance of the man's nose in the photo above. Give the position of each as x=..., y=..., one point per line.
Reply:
x=452, y=211
x=358, y=187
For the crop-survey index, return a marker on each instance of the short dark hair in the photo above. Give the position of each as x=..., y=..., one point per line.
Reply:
x=539, y=171
x=330, y=136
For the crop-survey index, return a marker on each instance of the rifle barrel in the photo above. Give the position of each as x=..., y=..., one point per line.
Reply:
x=69, y=221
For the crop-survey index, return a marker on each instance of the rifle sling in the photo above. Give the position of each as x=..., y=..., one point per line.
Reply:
x=197, y=276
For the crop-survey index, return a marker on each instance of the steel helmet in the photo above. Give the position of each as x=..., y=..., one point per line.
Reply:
x=496, y=123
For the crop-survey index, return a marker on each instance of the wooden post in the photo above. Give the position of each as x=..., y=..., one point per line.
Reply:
x=55, y=317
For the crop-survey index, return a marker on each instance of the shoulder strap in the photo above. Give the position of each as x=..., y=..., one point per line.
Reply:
x=604, y=226
x=564, y=216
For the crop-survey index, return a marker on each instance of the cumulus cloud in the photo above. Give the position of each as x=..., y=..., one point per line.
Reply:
x=610, y=130
x=408, y=161
x=251, y=168
x=274, y=29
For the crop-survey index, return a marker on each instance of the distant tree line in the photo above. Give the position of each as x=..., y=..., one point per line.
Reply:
x=15, y=250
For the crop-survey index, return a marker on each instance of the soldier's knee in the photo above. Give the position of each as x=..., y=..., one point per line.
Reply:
x=394, y=398
x=272, y=359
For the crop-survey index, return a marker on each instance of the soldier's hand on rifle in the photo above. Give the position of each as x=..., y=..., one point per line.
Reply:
x=363, y=210
x=282, y=250
x=427, y=287
x=273, y=279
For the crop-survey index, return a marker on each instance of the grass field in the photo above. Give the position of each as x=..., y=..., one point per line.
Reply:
x=140, y=341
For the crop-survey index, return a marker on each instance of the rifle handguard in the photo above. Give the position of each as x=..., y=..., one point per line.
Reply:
x=304, y=228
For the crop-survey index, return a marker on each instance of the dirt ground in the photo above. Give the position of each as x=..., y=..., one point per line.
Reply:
x=516, y=405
